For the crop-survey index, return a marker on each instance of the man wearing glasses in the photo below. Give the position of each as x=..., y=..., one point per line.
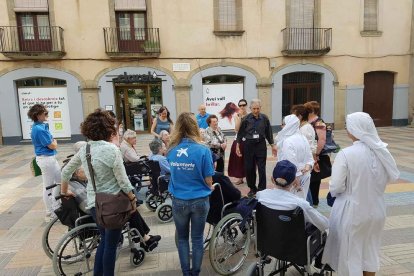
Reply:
x=256, y=129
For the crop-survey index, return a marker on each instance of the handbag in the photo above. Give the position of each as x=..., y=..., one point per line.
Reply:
x=112, y=211
x=325, y=166
x=36, y=171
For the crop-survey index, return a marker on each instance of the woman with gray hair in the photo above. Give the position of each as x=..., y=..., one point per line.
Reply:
x=129, y=153
x=156, y=150
x=165, y=139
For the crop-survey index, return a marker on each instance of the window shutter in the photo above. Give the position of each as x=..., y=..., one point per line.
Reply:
x=227, y=16
x=130, y=5
x=370, y=15
x=31, y=6
x=301, y=14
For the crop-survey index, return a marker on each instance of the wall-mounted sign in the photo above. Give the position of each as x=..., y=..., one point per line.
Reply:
x=181, y=67
x=56, y=101
x=143, y=78
x=221, y=100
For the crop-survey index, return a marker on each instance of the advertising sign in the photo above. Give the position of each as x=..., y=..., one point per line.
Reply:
x=221, y=100
x=56, y=101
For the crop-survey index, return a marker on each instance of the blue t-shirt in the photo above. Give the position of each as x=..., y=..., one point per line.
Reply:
x=202, y=120
x=190, y=164
x=162, y=125
x=41, y=138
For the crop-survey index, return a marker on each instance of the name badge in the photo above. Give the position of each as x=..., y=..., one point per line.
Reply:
x=255, y=136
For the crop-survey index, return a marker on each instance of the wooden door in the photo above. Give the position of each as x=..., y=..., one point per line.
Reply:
x=378, y=96
x=299, y=88
x=34, y=32
x=131, y=31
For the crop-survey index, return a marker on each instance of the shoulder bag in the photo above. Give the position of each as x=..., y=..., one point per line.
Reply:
x=112, y=211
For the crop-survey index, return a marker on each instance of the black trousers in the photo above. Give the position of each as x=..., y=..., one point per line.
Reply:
x=255, y=154
x=316, y=177
x=220, y=165
x=136, y=221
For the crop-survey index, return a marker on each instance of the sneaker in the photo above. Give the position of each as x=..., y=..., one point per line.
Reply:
x=139, y=202
x=151, y=243
x=252, y=193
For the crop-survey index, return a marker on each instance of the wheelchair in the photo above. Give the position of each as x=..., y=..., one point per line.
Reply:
x=75, y=252
x=282, y=235
x=227, y=240
x=146, y=173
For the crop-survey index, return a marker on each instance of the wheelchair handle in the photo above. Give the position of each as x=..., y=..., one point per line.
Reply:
x=221, y=191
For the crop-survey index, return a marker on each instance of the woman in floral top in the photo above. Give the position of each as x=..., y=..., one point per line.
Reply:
x=215, y=139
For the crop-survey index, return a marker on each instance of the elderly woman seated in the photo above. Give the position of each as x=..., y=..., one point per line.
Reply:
x=157, y=155
x=165, y=139
x=127, y=147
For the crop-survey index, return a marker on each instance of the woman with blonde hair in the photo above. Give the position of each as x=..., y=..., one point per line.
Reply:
x=190, y=184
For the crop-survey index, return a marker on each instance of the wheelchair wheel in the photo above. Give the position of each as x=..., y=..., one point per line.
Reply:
x=164, y=213
x=75, y=252
x=208, y=229
x=53, y=232
x=153, y=201
x=137, y=256
x=253, y=270
x=229, y=245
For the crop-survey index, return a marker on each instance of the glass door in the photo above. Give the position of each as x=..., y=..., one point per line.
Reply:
x=137, y=106
x=34, y=32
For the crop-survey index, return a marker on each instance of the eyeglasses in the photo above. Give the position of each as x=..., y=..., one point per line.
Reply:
x=241, y=105
x=46, y=113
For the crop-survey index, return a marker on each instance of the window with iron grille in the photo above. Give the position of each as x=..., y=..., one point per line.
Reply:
x=370, y=15
x=228, y=15
x=299, y=88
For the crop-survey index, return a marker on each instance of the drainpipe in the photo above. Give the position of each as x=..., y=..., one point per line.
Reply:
x=411, y=72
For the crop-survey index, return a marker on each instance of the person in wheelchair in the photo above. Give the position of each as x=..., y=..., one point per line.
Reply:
x=129, y=153
x=158, y=155
x=281, y=197
x=230, y=194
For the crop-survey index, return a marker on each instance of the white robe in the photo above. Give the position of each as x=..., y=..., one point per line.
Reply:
x=358, y=215
x=296, y=149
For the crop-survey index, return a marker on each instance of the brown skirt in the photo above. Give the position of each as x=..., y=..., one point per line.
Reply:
x=236, y=164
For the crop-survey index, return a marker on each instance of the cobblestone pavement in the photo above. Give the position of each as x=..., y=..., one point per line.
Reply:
x=22, y=215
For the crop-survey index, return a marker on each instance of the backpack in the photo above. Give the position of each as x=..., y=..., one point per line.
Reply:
x=330, y=145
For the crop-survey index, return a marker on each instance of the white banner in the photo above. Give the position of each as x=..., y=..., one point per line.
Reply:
x=221, y=100
x=56, y=101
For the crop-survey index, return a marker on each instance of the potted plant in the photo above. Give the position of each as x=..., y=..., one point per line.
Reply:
x=151, y=46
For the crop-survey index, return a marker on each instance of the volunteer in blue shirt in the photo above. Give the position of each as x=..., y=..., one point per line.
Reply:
x=191, y=182
x=45, y=150
x=202, y=117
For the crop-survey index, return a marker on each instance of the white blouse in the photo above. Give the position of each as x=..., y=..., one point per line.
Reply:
x=309, y=132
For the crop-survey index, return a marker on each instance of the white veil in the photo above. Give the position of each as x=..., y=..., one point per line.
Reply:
x=362, y=127
x=291, y=127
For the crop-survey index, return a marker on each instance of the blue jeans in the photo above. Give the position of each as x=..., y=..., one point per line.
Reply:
x=106, y=252
x=184, y=212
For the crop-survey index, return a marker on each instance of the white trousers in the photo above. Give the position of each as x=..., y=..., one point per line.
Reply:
x=50, y=175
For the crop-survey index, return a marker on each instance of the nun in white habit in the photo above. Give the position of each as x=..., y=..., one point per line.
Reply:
x=292, y=145
x=359, y=176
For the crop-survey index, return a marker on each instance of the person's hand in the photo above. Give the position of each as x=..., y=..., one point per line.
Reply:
x=296, y=185
x=223, y=146
x=134, y=204
x=306, y=169
x=238, y=152
x=274, y=150
x=316, y=167
x=69, y=193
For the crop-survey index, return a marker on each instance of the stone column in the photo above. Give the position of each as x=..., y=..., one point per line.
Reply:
x=340, y=106
x=182, y=96
x=411, y=74
x=264, y=91
x=90, y=97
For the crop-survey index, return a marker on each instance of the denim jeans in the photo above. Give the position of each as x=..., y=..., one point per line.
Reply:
x=106, y=252
x=192, y=211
